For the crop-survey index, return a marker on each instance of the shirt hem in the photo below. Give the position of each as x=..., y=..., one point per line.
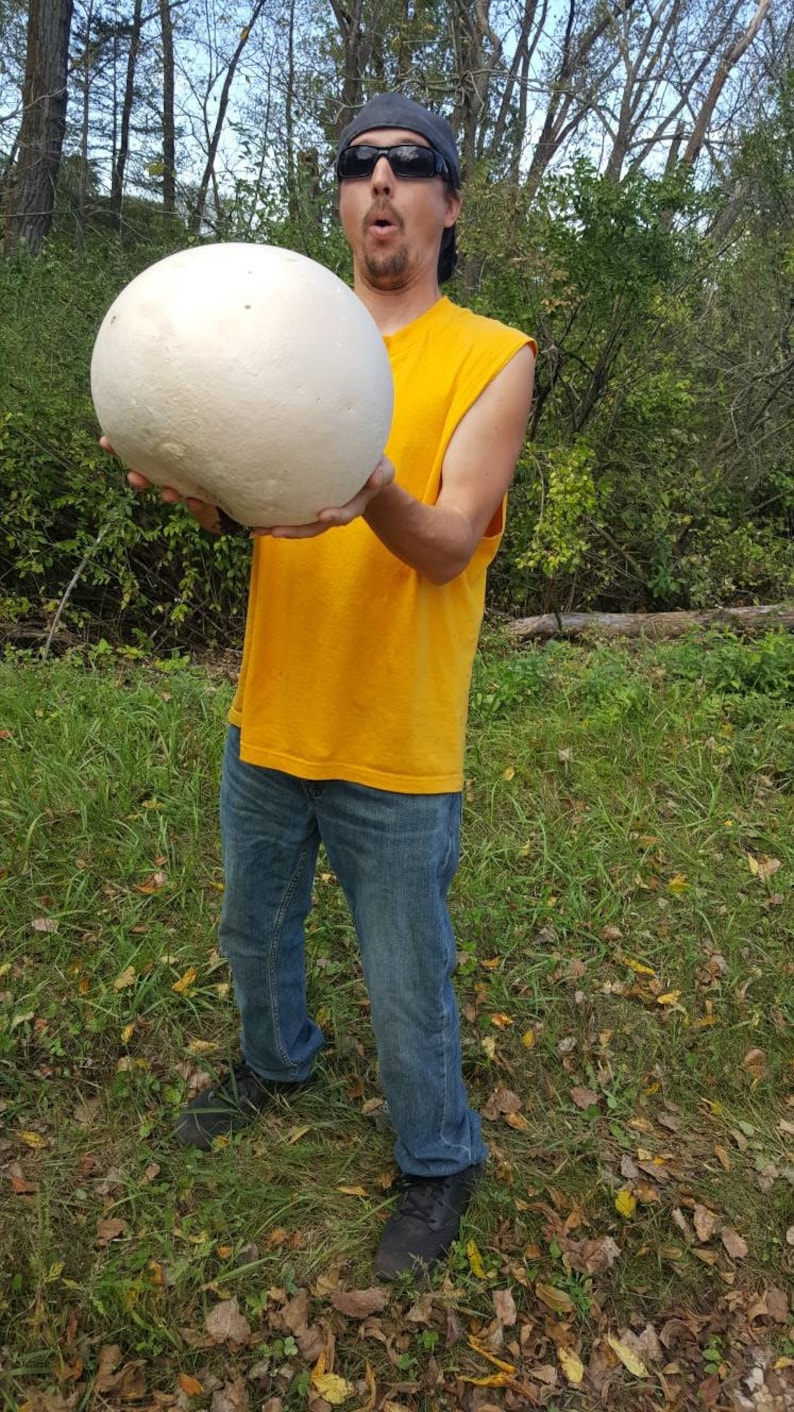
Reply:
x=341, y=770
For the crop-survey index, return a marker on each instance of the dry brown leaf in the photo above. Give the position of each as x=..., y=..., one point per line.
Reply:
x=232, y=1397
x=125, y=979
x=754, y=1063
x=554, y=1298
x=735, y=1244
x=359, y=1303
x=44, y=924
x=503, y=1101
x=190, y=1385
x=722, y=1157
x=790, y=1236
x=591, y=1257
x=421, y=1312
x=225, y=1324
x=110, y=1228
x=504, y=1307
x=584, y=1097
x=705, y=1222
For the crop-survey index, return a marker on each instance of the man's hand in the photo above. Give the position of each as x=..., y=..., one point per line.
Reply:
x=382, y=475
x=201, y=510
x=209, y=519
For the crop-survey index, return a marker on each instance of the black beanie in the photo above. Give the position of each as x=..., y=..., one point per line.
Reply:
x=395, y=110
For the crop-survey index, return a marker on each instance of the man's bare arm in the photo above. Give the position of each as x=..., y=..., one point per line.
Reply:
x=439, y=540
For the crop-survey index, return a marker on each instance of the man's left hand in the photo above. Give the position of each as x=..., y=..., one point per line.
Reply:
x=382, y=476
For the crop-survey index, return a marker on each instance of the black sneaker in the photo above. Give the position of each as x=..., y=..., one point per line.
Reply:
x=228, y=1106
x=426, y=1222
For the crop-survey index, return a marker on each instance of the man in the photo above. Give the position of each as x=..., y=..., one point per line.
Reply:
x=348, y=723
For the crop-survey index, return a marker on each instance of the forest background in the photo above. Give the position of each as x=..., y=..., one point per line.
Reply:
x=629, y=187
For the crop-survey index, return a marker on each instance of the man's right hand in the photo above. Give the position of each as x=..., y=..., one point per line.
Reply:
x=201, y=510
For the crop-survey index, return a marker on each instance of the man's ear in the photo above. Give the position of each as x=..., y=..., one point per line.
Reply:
x=452, y=207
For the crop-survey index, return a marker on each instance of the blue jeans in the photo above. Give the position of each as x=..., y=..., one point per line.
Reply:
x=395, y=856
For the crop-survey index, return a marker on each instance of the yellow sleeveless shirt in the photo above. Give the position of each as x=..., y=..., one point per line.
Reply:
x=355, y=666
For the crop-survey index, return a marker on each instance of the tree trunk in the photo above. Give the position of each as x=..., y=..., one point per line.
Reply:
x=169, y=131
x=117, y=178
x=208, y=174
x=729, y=59
x=751, y=619
x=32, y=197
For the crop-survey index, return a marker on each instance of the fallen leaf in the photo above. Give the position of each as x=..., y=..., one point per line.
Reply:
x=517, y=1121
x=790, y=1236
x=763, y=867
x=191, y=1386
x=584, y=1097
x=33, y=1140
x=705, y=1222
x=638, y=967
x=351, y=1190
x=625, y=1204
x=110, y=1228
x=127, y=978
x=225, y=1323
x=502, y=1100
x=754, y=1062
x=502, y=1022
x=722, y=1157
x=529, y=1039
x=232, y=1397
x=185, y=981
x=475, y=1260
x=671, y=997
x=44, y=924
x=334, y=1389
x=504, y=1307
x=678, y=883
x=627, y=1357
x=556, y=1299
x=153, y=883
x=572, y=1365
x=359, y=1303
x=509, y=773
x=735, y=1244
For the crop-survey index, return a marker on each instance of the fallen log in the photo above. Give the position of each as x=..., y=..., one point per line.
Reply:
x=652, y=625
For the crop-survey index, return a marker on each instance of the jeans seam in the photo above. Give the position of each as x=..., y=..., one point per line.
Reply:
x=275, y=951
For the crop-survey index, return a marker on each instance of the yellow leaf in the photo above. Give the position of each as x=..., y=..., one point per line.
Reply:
x=334, y=1389
x=352, y=1190
x=127, y=978
x=670, y=997
x=625, y=1204
x=501, y=1021
x=639, y=967
x=490, y=1357
x=33, y=1140
x=295, y=1134
x=509, y=773
x=201, y=1046
x=128, y=1032
x=529, y=1039
x=629, y=1359
x=492, y=963
x=493, y=1380
x=185, y=981
x=489, y=1045
x=678, y=883
x=572, y=1365
x=191, y=1386
x=475, y=1260
x=517, y=1121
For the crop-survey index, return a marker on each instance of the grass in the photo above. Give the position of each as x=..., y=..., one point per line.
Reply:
x=626, y=978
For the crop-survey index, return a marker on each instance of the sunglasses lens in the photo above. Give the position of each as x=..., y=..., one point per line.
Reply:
x=407, y=159
x=410, y=160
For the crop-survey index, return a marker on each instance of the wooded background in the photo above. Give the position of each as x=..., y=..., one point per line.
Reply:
x=629, y=189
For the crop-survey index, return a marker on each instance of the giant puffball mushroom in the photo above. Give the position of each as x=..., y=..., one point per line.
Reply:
x=248, y=376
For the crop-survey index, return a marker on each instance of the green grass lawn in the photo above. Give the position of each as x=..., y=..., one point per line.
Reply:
x=625, y=921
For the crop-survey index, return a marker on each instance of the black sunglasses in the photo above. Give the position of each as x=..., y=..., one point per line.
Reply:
x=406, y=159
